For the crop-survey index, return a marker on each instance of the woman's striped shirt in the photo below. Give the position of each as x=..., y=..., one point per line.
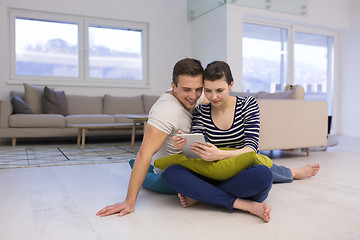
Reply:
x=244, y=131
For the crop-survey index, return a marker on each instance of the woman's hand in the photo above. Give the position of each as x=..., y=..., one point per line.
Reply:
x=208, y=151
x=178, y=142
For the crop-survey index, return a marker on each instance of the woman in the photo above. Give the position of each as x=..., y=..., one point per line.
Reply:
x=226, y=121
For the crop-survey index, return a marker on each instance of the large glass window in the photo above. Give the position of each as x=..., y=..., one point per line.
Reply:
x=72, y=50
x=264, y=58
x=115, y=53
x=274, y=56
x=45, y=48
x=313, y=64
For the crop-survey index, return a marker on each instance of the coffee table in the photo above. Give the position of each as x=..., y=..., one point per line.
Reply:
x=84, y=128
x=137, y=119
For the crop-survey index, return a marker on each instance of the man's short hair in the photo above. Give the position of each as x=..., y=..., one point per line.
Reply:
x=187, y=66
x=217, y=70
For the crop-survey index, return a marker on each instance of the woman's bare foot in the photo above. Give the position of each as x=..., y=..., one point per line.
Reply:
x=186, y=201
x=307, y=171
x=262, y=210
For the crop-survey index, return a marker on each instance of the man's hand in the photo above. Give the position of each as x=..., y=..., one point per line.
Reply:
x=178, y=142
x=122, y=208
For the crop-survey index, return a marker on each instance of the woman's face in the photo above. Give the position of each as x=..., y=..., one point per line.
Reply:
x=217, y=91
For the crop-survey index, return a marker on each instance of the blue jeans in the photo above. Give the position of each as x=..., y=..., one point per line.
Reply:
x=281, y=174
x=156, y=182
x=253, y=183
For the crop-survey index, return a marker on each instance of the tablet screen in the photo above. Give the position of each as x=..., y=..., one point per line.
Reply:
x=190, y=140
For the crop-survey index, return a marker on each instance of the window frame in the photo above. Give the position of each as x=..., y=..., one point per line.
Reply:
x=83, y=23
x=292, y=29
x=288, y=59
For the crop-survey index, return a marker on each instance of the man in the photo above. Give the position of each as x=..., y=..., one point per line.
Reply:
x=173, y=112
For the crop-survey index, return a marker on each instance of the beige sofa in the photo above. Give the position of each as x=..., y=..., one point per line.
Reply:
x=292, y=124
x=80, y=110
x=287, y=120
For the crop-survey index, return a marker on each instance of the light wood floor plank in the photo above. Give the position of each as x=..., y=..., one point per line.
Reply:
x=61, y=202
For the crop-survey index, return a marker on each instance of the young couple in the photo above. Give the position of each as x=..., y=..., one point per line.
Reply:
x=226, y=121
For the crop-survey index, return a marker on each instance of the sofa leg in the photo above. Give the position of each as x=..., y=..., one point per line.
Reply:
x=307, y=152
x=13, y=142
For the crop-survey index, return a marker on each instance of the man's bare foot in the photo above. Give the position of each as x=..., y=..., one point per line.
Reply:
x=307, y=171
x=262, y=210
x=186, y=201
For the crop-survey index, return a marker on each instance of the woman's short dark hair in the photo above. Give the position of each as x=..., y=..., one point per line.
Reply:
x=187, y=66
x=217, y=70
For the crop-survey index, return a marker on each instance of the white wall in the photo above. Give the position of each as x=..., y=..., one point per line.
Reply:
x=213, y=36
x=349, y=76
x=332, y=15
x=168, y=29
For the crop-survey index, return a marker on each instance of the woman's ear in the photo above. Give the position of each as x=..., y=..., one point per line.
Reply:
x=231, y=85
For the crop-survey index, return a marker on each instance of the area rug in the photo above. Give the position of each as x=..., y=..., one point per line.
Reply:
x=60, y=155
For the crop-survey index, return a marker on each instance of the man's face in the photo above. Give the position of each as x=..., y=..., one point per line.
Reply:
x=188, y=90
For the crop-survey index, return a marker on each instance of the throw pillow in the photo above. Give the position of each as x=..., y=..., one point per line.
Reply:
x=149, y=101
x=33, y=96
x=217, y=170
x=19, y=106
x=54, y=102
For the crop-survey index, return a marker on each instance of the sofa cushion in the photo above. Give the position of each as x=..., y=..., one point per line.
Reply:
x=33, y=96
x=130, y=105
x=84, y=104
x=54, y=102
x=89, y=119
x=244, y=94
x=217, y=170
x=296, y=92
x=37, y=121
x=19, y=106
x=149, y=102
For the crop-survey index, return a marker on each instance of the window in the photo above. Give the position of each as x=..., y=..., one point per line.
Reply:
x=44, y=48
x=312, y=64
x=264, y=58
x=274, y=56
x=72, y=50
x=111, y=60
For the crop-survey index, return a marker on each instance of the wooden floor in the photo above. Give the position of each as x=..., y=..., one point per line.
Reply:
x=61, y=202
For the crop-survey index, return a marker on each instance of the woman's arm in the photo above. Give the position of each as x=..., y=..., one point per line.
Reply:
x=210, y=152
x=251, y=123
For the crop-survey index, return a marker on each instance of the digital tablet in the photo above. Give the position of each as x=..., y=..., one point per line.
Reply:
x=191, y=139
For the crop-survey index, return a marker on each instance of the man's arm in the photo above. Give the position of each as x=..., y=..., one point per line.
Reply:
x=152, y=141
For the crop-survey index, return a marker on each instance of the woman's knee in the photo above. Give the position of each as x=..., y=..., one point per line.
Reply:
x=264, y=174
x=172, y=172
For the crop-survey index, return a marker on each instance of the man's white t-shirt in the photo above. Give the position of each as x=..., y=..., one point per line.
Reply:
x=168, y=115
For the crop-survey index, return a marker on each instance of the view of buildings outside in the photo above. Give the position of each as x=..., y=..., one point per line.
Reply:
x=265, y=66
x=44, y=48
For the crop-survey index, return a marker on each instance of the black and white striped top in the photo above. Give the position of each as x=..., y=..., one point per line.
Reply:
x=244, y=131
